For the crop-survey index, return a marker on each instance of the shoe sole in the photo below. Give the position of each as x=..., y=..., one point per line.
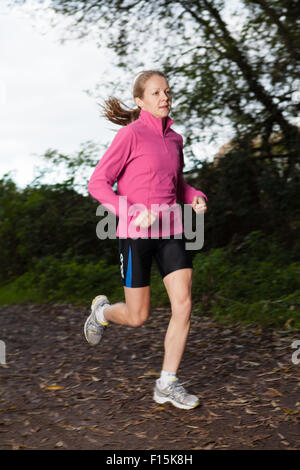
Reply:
x=162, y=400
x=85, y=331
x=86, y=322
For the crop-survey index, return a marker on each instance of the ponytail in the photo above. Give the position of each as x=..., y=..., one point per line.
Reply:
x=118, y=112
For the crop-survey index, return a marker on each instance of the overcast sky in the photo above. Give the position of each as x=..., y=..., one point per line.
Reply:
x=43, y=103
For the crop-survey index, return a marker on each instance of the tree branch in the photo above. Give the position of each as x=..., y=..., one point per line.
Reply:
x=281, y=27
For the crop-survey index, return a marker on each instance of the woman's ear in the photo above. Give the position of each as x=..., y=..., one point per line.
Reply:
x=139, y=102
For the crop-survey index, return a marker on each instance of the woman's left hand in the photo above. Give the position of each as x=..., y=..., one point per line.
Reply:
x=199, y=204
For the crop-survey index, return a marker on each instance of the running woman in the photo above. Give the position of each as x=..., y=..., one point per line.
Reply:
x=146, y=159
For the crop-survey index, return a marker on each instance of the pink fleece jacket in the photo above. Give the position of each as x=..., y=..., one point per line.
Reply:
x=147, y=163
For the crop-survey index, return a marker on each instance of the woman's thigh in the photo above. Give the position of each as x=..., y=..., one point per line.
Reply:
x=171, y=255
x=178, y=285
x=135, y=259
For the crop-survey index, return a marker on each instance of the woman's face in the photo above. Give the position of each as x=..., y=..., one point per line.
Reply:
x=157, y=97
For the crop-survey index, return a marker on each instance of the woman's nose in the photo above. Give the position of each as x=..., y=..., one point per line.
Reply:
x=164, y=95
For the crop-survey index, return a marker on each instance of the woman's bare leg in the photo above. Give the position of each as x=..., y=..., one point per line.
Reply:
x=135, y=311
x=178, y=285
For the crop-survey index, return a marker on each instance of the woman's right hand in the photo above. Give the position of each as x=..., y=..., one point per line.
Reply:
x=145, y=218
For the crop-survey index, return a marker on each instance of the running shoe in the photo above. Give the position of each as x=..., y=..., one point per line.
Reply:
x=176, y=394
x=93, y=329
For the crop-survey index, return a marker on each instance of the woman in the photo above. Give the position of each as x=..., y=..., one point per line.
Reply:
x=146, y=159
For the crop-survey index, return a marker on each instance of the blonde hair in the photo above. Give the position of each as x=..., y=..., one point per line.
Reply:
x=118, y=112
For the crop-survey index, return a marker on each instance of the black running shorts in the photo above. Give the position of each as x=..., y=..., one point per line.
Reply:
x=135, y=257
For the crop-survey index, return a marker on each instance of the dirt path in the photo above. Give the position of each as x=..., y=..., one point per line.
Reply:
x=57, y=392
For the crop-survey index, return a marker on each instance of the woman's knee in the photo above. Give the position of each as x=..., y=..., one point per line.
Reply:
x=138, y=305
x=138, y=318
x=181, y=308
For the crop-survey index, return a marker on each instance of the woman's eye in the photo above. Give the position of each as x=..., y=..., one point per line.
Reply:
x=167, y=92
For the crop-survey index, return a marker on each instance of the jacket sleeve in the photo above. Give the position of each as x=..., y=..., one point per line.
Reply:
x=185, y=192
x=109, y=168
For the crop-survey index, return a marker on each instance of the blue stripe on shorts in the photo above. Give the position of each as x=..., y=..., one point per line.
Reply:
x=128, y=282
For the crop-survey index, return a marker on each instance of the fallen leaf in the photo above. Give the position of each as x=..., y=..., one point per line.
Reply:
x=289, y=412
x=209, y=446
x=251, y=363
x=261, y=437
x=274, y=392
x=213, y=414
x=59, y=444
x=159, y=408
x=15, y=446
x=273, y=403
x=95, y=379
x=268, y=373
x=53, y=387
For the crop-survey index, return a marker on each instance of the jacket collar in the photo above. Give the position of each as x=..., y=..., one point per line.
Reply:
x=156, y=123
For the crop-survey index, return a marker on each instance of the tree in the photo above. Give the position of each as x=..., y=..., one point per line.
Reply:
x=244, y=77
x=47, y=220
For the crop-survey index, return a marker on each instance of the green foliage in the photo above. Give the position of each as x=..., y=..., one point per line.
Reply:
x=64, y=280
x=257, y=281
x=47, y=220
x=246, y=193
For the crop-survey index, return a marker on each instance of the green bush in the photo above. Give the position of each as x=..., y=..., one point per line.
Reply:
x=49, y=220
x=254, y=282
x=66, y=281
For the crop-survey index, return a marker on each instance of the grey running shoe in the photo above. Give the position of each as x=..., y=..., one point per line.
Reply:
x=176, y=394
x=93, y=329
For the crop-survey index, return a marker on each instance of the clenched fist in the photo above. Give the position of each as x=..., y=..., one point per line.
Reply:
x=199, y=204
x=145, y=218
